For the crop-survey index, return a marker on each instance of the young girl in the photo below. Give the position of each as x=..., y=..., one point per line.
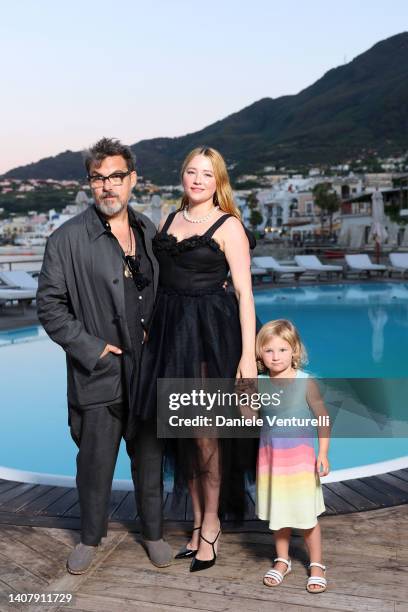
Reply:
x=289, y=493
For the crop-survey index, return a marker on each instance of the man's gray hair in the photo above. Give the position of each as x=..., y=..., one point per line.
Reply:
x=107, y=147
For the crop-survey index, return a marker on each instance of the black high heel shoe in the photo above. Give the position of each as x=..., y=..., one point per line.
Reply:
x=187, y=553
x=197, y=564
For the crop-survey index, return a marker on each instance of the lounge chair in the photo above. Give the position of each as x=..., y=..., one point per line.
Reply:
x=362, y=264
x=276, y=269
x=399, y=263
x=18, y=279
x=313, y=264
x=24, y=296
x=258, y=273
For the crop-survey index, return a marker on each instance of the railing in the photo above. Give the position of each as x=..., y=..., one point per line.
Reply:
x=29, y=263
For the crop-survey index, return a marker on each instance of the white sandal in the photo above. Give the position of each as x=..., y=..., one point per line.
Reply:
x=275, y=575
x=317, y=580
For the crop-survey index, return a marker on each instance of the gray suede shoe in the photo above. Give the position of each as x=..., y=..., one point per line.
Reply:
x=159, y=552
x=81, y=558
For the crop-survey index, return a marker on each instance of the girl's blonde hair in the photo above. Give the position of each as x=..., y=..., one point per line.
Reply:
x=223, y=194
x=281, y=328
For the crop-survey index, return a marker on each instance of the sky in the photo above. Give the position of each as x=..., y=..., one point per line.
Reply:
x=75, y=71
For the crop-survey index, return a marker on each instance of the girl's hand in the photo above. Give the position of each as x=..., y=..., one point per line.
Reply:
x=247, y=368
x=323, y=463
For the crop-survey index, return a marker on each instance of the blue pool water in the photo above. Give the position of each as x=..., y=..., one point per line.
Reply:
x=349, y=330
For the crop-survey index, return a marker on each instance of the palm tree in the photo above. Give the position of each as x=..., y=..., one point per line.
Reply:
x=328, y=202
x=255, y=217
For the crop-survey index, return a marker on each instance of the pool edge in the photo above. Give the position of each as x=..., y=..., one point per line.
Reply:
x=40, y=478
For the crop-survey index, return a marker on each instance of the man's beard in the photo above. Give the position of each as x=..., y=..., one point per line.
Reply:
x=109, y=209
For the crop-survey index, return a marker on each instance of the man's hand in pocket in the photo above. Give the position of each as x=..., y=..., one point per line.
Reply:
x=110, y=348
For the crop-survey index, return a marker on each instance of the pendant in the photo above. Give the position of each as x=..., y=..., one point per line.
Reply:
x=127, y=272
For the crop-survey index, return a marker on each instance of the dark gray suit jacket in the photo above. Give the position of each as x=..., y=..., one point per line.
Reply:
x=81, y=305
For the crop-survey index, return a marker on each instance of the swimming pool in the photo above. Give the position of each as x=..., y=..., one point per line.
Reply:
x=356, y=330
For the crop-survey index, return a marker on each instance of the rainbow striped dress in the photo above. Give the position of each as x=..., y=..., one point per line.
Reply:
x=288, y=488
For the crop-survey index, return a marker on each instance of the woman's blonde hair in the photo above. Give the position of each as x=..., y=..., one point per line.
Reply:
x=281, y=328
x=223, y=194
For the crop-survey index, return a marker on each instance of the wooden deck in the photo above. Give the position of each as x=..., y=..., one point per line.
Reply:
x=51, y=506
x=366, y=555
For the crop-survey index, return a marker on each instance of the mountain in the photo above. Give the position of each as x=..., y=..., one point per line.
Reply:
x=356, y=108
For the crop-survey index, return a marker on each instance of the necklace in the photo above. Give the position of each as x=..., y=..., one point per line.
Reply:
x=127, y=271
x=199, y=219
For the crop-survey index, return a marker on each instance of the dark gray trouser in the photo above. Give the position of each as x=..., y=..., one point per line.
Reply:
x=97, y=432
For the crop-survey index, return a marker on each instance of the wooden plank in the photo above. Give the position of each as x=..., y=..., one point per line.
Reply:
x=87, y=603
x=74, y=511
x=397, y=495
x=14, y=492
x=127, y=509
x=174, y=507
x=18, y=579
x=402, y=474
x=210, y=592
x=115, y=501
x=5, y=485
x=379, y=498
x=18, y=503
x=66, y=537
x=37, y=540
x=49, y=496
x=63, y=504
x=402, y=485
x=329, y=510
x=95, y=603
x=11, y=518
x=5, y=592
x=356, y=500
x=335, y=502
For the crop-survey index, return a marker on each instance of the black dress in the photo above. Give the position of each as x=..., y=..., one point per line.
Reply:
x=195, y=332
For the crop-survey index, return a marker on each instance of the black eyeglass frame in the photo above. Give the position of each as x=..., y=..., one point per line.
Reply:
x=99, y=177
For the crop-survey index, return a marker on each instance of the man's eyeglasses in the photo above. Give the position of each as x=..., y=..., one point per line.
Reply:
x=115, y=179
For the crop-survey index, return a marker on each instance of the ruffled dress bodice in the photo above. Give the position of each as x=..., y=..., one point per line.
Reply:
x=192, y=265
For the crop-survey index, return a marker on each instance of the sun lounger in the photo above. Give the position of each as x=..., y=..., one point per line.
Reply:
x=362, y=264
x=399, y=263
x=312, y=264
x=24, y=296
x=18, y=279
x=258, y=273
x=276, y=269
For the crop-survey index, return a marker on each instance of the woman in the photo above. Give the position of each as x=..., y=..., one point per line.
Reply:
x=200, y=329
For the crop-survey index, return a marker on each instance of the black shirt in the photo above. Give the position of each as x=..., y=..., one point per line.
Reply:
x=138, y=301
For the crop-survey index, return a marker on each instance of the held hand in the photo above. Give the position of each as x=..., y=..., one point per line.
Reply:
x=110, y=348
x=247, y=368
x=246, y=387
x=322, y=465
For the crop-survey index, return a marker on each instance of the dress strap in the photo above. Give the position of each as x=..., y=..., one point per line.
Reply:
x=168, y=221
x=217, y=224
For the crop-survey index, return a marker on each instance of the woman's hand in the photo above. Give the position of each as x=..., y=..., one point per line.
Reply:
x=247, y=368
x=322, y=464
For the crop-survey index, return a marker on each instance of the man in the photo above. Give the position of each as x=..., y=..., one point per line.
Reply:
x=95, y=297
